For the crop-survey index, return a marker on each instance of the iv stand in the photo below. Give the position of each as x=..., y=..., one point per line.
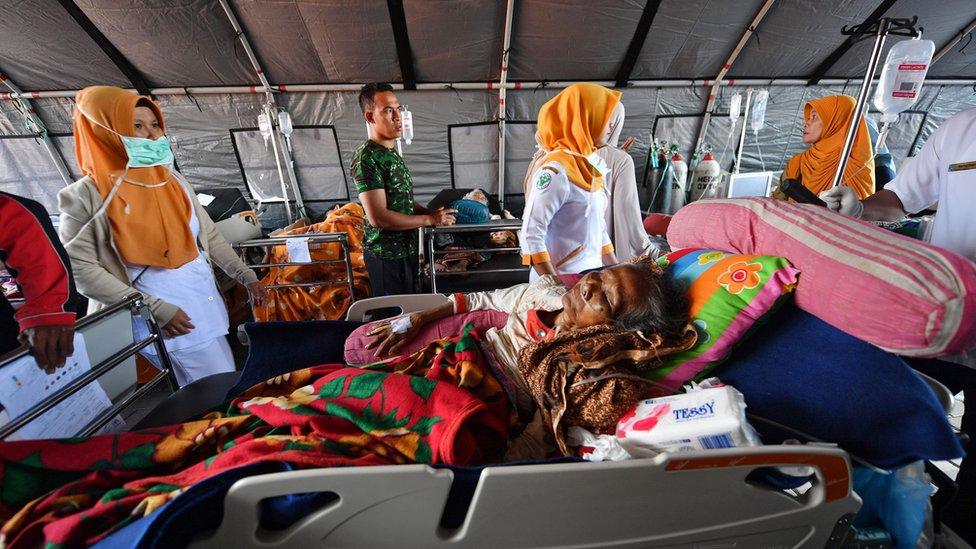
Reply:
x=880, y=29
x=742, y=134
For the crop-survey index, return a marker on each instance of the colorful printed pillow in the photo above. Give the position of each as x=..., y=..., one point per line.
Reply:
x=905, y=296
x=728, y=293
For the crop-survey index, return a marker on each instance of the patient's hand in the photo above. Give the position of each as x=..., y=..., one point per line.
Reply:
x=387, y=343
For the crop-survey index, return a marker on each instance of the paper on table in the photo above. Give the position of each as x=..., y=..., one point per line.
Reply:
x=298, y=250
x=23, y=385
x=205, y=199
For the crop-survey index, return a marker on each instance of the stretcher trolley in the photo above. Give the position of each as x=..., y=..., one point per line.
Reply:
x=264, y=261
x=495, y=265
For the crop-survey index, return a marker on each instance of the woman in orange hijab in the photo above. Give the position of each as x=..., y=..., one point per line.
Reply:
x=825, y=126
x=134, y=224
x=563, y=227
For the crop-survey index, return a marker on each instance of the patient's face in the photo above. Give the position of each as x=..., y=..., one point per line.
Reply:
x=603, y=296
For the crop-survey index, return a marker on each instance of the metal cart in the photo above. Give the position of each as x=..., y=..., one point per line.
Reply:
x=268, y=243
x=428, y=235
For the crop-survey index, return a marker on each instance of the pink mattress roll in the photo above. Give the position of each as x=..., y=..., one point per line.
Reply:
x=903, y=295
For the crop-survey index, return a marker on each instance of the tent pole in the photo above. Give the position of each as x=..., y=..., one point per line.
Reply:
x=883, y=25
x=952, y=42
x=271, y=110
x=35, y=123
x=742, y=134
x=713, y=92
x=476, y=86
x=502, y=88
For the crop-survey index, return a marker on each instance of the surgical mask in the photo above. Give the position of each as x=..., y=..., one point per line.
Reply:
x=141, y=152
x=146, y=153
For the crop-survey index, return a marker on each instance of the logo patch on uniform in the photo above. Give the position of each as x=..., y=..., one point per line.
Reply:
x=543, y=181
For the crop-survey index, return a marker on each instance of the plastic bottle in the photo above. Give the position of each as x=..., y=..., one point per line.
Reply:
x=264, y=126
x=406, y=120
x=757, y=116
x=706, y=178
x=284, y=123
x=679, y=186
x=901, y=78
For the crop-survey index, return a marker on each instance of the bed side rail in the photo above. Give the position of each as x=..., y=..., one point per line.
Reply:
x=687, y=500
x=131, y=305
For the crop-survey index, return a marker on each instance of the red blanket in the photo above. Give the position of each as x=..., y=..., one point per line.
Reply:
x=449, y=409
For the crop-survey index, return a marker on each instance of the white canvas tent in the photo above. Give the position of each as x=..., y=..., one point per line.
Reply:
x=208, y=63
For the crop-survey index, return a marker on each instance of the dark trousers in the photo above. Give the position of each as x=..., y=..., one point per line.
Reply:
x=959, y=514
x=8, y=327
x=391, y=276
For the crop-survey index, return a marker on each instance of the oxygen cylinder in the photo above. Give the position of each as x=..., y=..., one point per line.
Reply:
x=679, y=185
x=902, y=76
x=706, y=179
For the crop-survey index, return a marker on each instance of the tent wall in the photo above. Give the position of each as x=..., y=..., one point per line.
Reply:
x=200, y=129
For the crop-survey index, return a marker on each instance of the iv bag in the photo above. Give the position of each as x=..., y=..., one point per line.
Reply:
x=406, y=119
x=264, y=125
x=902, y=76
x=284, y=123
x=735, y=107
x=757, y=116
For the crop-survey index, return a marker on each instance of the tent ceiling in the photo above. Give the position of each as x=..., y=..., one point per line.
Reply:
x=177, y=43
x=145, y=31
x=39, y=37
x=571, y=39
x=940, y=25
x=692, y=39
x=797, y=35
x=474, y=52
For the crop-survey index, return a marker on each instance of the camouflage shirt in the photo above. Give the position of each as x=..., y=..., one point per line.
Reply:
x=376, y=167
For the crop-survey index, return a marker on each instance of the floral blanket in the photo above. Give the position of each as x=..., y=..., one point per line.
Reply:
x=446, y=407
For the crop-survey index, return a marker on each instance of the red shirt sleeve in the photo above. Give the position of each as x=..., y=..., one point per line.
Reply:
x=43, y=273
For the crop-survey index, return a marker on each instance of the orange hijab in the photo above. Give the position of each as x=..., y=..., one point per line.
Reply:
x=817, y=165
x=150, y=213
x=574, y=120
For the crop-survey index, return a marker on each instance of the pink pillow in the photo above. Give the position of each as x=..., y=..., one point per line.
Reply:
x=357, y=353
x=904, y=296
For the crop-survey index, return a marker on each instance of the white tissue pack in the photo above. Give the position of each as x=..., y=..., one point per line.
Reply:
x=701, y=419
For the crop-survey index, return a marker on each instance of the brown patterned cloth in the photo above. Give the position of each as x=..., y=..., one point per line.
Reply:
x=591, y=377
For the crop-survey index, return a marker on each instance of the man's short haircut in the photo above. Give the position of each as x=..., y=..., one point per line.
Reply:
x=664, y=309
x=368, y=92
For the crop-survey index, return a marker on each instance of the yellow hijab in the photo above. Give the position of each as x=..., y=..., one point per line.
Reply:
x=817, y=164
x=150, y=213
x=574, y=122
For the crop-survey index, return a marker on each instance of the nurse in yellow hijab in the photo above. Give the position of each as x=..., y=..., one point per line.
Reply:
x=825, y=126
x=563, y=227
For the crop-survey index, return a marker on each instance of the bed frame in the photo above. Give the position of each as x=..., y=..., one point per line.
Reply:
x=700, y=499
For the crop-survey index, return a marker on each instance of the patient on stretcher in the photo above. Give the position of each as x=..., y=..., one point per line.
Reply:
x=613, y=323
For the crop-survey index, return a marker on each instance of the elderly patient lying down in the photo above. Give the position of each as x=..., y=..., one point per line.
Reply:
x=565, y=357
x=569, y=356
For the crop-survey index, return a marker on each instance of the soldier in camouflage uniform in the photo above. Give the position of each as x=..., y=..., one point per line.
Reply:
x=386, y=192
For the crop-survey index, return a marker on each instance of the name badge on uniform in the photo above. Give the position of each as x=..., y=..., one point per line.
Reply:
x=962, y=166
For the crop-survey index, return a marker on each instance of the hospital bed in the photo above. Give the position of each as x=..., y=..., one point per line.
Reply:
x=715, y=498
x=246, y=248
x=491, y=267
x=111, y=348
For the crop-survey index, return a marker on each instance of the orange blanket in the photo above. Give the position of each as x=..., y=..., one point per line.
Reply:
x=318, y=302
